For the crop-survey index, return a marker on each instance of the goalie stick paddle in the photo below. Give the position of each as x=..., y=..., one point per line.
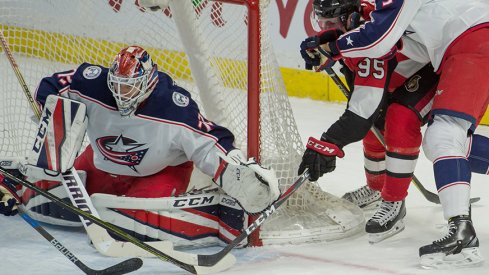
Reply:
x=124, y=267
x=210, y=260
x=432, y=197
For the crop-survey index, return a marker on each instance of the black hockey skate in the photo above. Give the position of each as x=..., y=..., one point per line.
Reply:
x=387, y=221
x=364, y=197
x=459, y=248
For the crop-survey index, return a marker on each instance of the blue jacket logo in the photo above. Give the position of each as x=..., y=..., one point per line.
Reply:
x=121, y=150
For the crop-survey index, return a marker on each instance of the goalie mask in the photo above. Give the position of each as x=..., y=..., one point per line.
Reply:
x=334, y=14
x=131, y=79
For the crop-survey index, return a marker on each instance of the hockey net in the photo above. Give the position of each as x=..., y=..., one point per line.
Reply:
x=203, y=45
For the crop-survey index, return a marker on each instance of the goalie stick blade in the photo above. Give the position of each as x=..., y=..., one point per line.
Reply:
x=213, y=259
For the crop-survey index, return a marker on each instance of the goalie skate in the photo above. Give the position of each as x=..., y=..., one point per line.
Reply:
x=386, y=222
x=459, y=248
x=364, y=197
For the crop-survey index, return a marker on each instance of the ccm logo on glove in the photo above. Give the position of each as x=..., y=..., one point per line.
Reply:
x=324, y=148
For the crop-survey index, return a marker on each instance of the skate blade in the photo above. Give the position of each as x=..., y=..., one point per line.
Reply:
x=468, y=257
x=378, y=237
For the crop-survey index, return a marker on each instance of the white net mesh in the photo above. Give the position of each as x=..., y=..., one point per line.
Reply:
x=203, y=46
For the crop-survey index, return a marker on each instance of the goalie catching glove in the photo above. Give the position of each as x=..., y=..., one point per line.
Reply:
x=320, y=157
x=253, y=186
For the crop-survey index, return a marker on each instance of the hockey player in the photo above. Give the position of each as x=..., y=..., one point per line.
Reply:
x=455, y=42
x=400, y=96
x=146, y=134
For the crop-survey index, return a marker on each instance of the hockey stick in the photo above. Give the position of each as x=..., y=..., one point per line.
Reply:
x=103, y=242
x=124, y=267
x=210, y=260
x=432, y=197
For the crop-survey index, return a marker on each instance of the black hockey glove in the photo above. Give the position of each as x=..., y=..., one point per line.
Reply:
x=314, y=56
x=319, y=157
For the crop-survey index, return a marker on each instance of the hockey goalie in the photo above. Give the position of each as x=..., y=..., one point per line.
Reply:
x=145, y=135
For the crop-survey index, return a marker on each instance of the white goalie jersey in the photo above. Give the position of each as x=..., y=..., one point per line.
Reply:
x=167, y=129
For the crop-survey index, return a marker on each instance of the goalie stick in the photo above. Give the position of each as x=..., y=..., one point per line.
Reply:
x=210, y=260
x=103, y=242
x=430, y=196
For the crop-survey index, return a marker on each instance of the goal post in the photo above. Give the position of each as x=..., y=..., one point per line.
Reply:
x=220, y=51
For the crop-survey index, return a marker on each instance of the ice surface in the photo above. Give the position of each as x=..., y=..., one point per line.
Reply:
x=24, y=251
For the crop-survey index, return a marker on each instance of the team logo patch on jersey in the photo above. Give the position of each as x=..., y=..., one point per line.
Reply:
x=180, y=99
x=121, y=150
x=92, y=72
x=413, y=84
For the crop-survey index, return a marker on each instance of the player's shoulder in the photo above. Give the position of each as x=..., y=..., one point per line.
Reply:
x=90, y=80
x=171, y=102
x=88, y=71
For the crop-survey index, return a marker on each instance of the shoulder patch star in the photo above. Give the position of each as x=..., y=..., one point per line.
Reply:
x=349, y=41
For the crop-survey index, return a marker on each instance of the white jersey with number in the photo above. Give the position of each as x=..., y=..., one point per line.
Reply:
x=166, y=130
x=433, y=23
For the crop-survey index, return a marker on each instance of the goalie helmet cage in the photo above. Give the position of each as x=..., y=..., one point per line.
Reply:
x=218, y=50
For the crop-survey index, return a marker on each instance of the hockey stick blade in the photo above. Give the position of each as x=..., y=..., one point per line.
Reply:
x=430, y=196
x=210, y=260
x=124, y=267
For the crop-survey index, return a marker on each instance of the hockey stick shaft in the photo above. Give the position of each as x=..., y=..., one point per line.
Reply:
x=210, y=260
x=432, y=197
x=19, y=76
x=120, y=268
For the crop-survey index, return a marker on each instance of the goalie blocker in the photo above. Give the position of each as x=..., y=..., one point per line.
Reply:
x=196, y=220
